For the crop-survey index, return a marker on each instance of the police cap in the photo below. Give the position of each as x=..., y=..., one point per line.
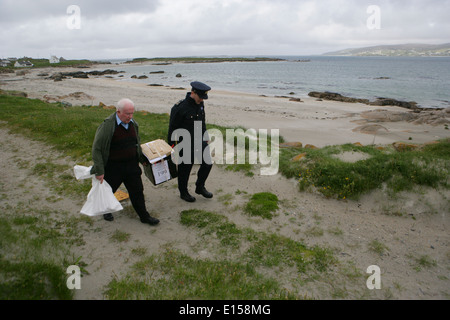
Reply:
x=201, y=89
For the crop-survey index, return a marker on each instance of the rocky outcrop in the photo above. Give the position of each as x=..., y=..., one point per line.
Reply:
x=59, y=76
x=299, y=157
x=104, y=72
x=378, y=102
x=291, y=145
x=336, y=97
x=433, y=117
x=393, y=102
x=415, y=113
x=382, y=115
x=106, y=107
x=75, y=95
x=402, y=146
x=78, y=74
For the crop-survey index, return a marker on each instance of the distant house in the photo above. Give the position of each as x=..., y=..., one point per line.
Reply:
x=4, y=63
x=54, y=59
x=23, y=64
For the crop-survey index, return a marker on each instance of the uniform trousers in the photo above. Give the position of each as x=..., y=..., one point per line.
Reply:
x=129, y=173
x=184, y=171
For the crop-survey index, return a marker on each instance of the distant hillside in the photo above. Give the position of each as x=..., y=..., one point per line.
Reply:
x=413, y=50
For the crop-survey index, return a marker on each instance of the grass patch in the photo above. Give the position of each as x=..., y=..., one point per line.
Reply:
x=271, y=250
x=378, y=247
x=262, y=204
x=26, y=280
x=264, y=249
x=423, y=261
x=399, y=171
x=69, y=129
x=213, y=224
x=34, y=254
x=176, y=276
x=246, y=168
x=44, y=63
x=120, y=236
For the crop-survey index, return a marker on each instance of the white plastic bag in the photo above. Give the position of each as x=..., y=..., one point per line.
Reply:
x=100, y=199
x=82, y=172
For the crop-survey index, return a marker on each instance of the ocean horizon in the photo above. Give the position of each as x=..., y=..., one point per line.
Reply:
x=424, y=80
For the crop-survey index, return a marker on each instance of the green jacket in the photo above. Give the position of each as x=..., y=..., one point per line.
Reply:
x=102, y=144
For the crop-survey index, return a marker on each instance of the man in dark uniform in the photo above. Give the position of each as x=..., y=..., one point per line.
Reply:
x=189, y=114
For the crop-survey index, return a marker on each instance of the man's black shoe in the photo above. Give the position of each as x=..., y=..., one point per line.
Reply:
x=150, y=220
x=203, y=192
x=187, y=197
x=108, y=217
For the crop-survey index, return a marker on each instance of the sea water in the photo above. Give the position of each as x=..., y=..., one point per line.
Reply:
x=425, y=80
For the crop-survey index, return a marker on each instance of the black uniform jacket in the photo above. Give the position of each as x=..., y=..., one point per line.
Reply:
x=184, y=115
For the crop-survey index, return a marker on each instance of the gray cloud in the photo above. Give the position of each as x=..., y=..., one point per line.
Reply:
x=20, y=11
x=235, y=27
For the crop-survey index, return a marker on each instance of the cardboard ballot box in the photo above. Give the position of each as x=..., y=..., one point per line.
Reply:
x=161, y=168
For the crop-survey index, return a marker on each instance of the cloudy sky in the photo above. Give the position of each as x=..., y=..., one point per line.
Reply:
x=101, y=29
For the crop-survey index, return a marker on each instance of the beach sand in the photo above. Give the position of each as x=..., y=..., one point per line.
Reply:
x=297, y=121
x=422, y=232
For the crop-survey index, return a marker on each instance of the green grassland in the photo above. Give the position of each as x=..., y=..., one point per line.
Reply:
x=45, y=63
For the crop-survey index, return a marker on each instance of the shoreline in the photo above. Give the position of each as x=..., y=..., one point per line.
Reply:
x=318, y=123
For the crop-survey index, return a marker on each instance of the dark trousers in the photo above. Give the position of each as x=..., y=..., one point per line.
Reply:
x=129, y=173
x=184, y=171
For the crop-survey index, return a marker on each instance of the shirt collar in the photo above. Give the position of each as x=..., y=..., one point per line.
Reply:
x=119, y=122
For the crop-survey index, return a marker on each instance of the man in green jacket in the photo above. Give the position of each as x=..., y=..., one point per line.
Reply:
x=116, y=153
